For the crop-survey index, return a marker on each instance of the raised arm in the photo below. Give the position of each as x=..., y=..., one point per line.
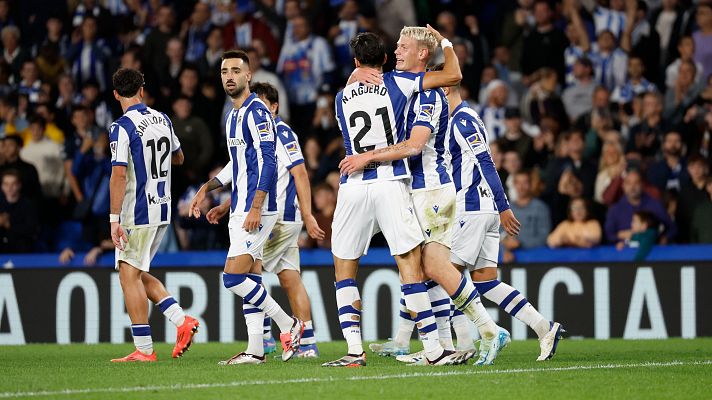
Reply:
x=450, y=74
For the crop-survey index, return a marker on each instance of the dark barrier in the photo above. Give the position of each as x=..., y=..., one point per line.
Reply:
x=592, y=300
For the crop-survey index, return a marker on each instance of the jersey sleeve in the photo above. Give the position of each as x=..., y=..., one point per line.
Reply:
x=262, y=124
x=175, y=143
x=407, y=82
x=472, y=131
x=429, y=109
x=288, y=140
x=225, y=174
x=119, y=145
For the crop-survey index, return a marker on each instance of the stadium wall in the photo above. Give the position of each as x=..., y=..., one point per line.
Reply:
x=600, y=300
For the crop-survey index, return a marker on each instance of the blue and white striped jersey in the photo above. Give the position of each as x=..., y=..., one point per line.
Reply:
x=479, y=190
x=493, y=117
x=606, y=19
x=143, y=140
x=609, y=69
x=250, y=134
x=626, y=92
x=571, y=55
x=289, y=155
x=375, y=117
x=430, y=168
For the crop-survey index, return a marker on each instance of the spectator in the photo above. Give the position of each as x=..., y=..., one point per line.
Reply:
x=30, y=85
x=198, y=234
x=324, y=207
x=543, y=101
x=89, y=56
x=324, y=126
x=513, y=139
x=10, y=122
x=493, y=112
x=611, y=166
x=578, y=96
x=511, y=165
x=601, y=122
x=11, y=146
x=154, y=49
x=635, y=85
x=668, y=21
x=193, y=134
x=13, y=53
x=618, y=219
x=580, y=229
x=701, y=231
x=67, y=97
x=50, y=64
x=46, y=156
x=516, y=23
x=692, y=195
x=189, y=86
x=55, y=37
x=209, y=63
x=644, y=138
x=349, y=23
x=579, y=43
x=644, y=235
x=90, y=9
x=304, y=65
x=640, y=40
x=195, y=30
x=609, y=61
x=19, y=223
x=260, y=74
x=91, y=98
x=312, y=156
x=678, y=100
x=703, y=36
x=686, y=48
x=533, y=214
x=81, y=140
x=5, y=19
x=392, y=15
x=608, y=16
x=173, y=67
x=544, y=46
x=670, y=172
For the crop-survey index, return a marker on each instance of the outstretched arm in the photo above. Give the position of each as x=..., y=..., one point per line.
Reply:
x=418, y=138
x=450, y=74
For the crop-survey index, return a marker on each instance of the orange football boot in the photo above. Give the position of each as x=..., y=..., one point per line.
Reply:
x=137, y=356
x=184, y=337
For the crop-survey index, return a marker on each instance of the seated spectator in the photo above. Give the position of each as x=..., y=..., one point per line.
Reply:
x=19, y=223
x=683, y=95
x=635, y=85
x=578, y=230
x=701, y=229
x=13, y=54
x=52, y=131
x=10, y=121
x=686, y=48
x=644, y=138
x=644, y=235
x=669, y=173
x=578, y=96
x=533, y=214
x=618, y=219
x=692, y=195
x=11, y=146
x=493, y=112
x=611, y=166
x=514, y=139
x=324, y=207
x=46, y=156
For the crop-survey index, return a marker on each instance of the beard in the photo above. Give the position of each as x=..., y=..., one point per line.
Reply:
x=234, y=92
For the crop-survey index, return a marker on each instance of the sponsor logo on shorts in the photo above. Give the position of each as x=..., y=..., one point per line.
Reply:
x=248, y=244
x=436, y=208
x=427, y=232
x=462, y=223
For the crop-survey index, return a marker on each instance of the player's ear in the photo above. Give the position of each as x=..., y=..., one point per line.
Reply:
x=356, y=63
x=446, y=90
x=116, y=95
x=385, y=59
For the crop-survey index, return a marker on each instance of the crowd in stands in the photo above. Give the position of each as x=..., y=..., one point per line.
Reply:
x=598, y=111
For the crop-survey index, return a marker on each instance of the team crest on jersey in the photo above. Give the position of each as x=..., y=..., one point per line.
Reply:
x=426, y=112
x=265, y=131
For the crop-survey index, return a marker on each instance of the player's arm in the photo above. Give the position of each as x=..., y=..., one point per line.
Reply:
x=119, y=146
x=450, y=75
x=177, y=157
x=222, y=178
x=419, y=136
x=478, y=147
x=301, y=181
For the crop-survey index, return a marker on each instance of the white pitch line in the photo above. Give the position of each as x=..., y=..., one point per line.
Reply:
x=347, y=379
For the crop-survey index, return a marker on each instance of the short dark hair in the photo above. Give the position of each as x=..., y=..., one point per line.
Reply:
x=647, y=218
x=14, y=138
x=78, y=108
x=696, y=158
x=127, y=82
x=236, y=54
x=37, y=119
x=265, y=89
x=369, y=49
x=12, y=172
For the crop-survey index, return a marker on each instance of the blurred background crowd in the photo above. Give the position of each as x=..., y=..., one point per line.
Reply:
x=598, y=111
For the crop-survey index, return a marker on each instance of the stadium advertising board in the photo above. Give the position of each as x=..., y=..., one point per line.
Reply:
x=657, y=300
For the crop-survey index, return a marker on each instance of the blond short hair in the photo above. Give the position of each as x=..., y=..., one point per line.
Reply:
x=423, y=36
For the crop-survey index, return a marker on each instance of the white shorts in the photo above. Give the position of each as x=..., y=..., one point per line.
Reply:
x=281, y=251
x=142, y=246
x=362, y=210
x=435, y=210
x=475, y=241
x=252, y=243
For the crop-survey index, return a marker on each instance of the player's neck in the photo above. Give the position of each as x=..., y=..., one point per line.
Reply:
x=128, y=102
x=238, y=101
x=454, y=101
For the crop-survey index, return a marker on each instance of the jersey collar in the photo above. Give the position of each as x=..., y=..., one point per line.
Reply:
x=462, y=105
x=277, y=120
x=249, y=99
x=139, y=106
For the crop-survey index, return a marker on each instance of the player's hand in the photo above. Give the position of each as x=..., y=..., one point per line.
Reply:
x=437, y=34
x=194, y=210
x=216, y=213
x=367, y=76
x=252, y=221
x=351, y=164
x=118, y=236
x=509, y=222
x=313, y=229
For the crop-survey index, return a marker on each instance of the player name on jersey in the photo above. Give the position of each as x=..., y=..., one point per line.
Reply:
x=360, y=90
x=144, y=123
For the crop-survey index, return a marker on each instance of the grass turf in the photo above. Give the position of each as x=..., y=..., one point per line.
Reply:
x=582, y=369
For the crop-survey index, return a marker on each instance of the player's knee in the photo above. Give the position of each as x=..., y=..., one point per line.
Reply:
x=484, y=274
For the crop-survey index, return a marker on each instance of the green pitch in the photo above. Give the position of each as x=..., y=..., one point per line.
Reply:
x=582, y=369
